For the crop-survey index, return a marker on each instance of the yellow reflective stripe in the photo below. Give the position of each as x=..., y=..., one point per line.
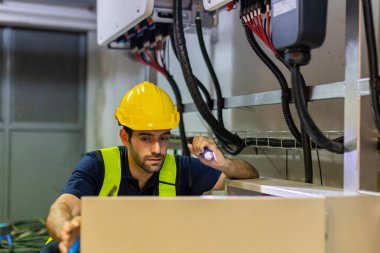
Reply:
x=112, y=171
x=49, y=240
x=167, y=178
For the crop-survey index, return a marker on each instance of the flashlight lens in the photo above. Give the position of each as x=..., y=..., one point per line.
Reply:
x=207, y=154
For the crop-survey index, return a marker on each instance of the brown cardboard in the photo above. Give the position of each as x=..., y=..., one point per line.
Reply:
x=191, y=224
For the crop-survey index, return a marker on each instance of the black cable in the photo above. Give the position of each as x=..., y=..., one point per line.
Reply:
x=320, y=168
x=306, y=147
x=307, y=159
x=214, y=78
x=178, y=97
x=285, y=92
x=181, y=126
x=285, y=99
x=199, y=83
x=372, y=62
x=307, y=122
x=223, y=135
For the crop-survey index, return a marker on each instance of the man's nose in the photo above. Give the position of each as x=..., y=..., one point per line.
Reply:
x=155, y=148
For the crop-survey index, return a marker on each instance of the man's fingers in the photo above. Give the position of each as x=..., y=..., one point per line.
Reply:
x=76, y=221
x=71, y=225
x=64, y=236
x=70, y=232
x=66, y=244
x=62, y=247
x=215, y=157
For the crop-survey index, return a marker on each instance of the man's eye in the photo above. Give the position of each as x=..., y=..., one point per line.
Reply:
x=146, y=139
x=166, y=138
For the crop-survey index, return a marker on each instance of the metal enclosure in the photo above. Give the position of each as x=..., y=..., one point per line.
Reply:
x=120, y=16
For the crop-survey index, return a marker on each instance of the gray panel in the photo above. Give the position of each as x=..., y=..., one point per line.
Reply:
x=40, y=166
x=2, y=173
x=46, y=76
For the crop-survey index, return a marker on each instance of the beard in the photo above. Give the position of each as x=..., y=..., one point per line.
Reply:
x=150, y=163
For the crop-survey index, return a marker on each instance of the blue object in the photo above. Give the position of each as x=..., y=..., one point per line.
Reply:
x=5, y=233
x=75, y=247
x=7, y=237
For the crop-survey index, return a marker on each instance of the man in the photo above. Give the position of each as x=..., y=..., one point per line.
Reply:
x=142, y=166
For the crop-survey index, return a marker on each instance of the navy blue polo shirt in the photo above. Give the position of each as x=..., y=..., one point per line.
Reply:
x=193, y=177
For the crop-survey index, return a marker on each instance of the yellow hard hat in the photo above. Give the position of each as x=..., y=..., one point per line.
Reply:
x=147, y=107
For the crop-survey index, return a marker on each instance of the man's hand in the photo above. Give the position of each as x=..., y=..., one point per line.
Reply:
x=197, y=148
x=231, y=168
x=69, y=234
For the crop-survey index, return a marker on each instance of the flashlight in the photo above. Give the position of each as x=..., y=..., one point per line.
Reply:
x=207, y=153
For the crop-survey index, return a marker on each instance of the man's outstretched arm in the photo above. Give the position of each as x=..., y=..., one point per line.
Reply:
x=63, y=221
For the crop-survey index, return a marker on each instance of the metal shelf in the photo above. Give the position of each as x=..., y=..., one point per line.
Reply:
x=317, y=92
x=265, y=139
x=279, y=188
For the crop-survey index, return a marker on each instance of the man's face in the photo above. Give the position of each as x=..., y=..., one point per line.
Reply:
x=148, y=149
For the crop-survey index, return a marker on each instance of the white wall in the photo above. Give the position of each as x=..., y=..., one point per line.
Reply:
x=110, y=74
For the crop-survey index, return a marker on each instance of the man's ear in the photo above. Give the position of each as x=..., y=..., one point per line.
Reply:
x=124, y=137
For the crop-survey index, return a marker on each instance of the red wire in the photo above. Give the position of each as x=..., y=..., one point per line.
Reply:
x=155, y=63
x=262, y=34
x=269, y=34
x=155, y=67
x=151, y=58
x=254, y=27
x=261, y=29
x=140, y=59
x=159, y=44
x=268, y=27
x=251, y=26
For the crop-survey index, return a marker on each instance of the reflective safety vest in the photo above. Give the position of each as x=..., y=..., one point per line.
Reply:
x=112, y=174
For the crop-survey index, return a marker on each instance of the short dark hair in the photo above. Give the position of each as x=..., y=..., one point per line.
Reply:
x=129, y=131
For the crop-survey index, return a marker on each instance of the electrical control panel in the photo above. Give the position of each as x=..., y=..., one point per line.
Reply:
x=212, y=5
x=298, y=23
x=120, y=16
x=125, y=23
